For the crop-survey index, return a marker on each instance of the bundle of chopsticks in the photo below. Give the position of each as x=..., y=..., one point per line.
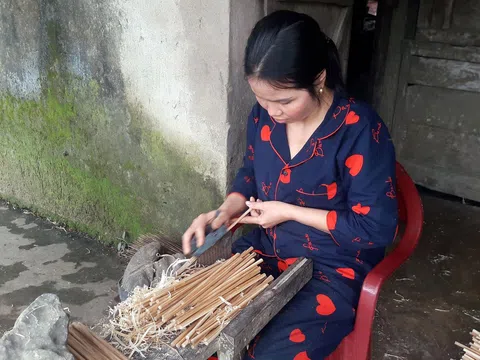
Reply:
x=191, y=309
x=472, y=352
x=85, y=345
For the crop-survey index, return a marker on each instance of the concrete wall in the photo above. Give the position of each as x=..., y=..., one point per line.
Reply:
x=243, y=14
x=114, y=113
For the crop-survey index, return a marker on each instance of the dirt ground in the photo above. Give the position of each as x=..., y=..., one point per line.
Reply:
x=431, y=302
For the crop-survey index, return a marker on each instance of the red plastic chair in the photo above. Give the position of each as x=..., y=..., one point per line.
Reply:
x=357, y=345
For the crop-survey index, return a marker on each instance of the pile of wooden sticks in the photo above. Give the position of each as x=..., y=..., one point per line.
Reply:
x=85, y=345
x=193, y=309
x=472, y=352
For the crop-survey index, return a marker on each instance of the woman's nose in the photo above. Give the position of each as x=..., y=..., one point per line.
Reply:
x=273, y=111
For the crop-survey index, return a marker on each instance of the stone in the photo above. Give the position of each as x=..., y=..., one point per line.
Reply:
x=40, y=332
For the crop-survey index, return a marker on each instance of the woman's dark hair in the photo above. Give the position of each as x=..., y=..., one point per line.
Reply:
x=289, y=50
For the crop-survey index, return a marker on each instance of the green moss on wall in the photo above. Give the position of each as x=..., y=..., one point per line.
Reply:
x=80, y=153
x=66, y=155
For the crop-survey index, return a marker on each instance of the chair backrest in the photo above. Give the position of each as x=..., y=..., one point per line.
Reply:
x=410, y=210
x=356, y=346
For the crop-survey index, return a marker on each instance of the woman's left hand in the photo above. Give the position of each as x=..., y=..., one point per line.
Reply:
x=267, y=214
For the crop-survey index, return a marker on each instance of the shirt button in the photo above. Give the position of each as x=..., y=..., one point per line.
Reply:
x=278, y=251
x=284, y=172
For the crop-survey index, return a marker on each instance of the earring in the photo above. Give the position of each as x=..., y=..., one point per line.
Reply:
x=321, y=90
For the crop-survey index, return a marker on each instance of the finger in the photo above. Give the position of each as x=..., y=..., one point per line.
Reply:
x=221, y=219
x=200, y=236
x=186, y=239
x=255, y=205
x=256, y=212
x=250, y=220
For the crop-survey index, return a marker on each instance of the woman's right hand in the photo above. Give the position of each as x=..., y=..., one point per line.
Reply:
x=198, y=226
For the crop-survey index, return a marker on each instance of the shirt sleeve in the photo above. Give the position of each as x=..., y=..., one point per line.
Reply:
x=371, y=216
x=244, y=182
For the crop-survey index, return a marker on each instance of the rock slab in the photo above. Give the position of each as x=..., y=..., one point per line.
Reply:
x=40, y=332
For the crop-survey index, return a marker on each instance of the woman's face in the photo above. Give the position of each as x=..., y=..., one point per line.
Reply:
x=284, y=105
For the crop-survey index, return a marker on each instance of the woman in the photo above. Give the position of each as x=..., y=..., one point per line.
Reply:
x=322, y=168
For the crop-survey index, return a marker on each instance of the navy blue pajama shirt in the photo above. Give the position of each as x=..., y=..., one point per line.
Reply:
x=348, y=168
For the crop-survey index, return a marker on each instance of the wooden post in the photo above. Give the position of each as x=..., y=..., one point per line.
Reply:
x=243, y=328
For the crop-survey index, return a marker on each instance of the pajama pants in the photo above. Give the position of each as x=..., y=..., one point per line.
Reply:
x=310, y=326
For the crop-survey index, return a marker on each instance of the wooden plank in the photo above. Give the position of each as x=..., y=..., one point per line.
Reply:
x=425, y=14
x=341, y=38
x=443, y=180
x=465, y=15
x=433, y=107
x=453, y=37
x=448, y=15
x=446, y=51
x=339, y=31
x=442, y=149
x=397, y=128
x=449, y=74
x=241, y=330
x=201, y=352
x=412, y=19
x=386, y=79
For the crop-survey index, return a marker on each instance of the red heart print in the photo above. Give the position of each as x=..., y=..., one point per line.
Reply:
x=347, y=272
x=352, y=118
x=297, y=336
x=331, y=190
x=290, y=261
x=326, y=306
x=265, y=133
x=301, y=356
x=331, y=220
x=285, y=176
x=355, y=164
x=361, y=210
x=284, y=264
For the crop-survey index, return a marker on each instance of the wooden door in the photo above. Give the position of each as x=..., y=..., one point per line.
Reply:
x=436, y=125
x=334, y=17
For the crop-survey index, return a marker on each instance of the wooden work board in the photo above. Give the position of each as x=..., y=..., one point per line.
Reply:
x=232, y=341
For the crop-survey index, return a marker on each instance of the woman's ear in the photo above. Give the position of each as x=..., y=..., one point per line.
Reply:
x=320, y=80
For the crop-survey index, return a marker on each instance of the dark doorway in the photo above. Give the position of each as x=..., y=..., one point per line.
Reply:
x=362, y=48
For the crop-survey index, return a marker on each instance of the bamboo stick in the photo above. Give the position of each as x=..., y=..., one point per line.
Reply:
x=81, y=348
x=75, y=353
x=200, y=305
x=215, y=317
x=101, y=344
x=203, y=285
x=253, y=268
x=182, y=283
x=225, y=288
x=220, y=301
x=470, y=352
x=212, y=336
x=199, y=323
